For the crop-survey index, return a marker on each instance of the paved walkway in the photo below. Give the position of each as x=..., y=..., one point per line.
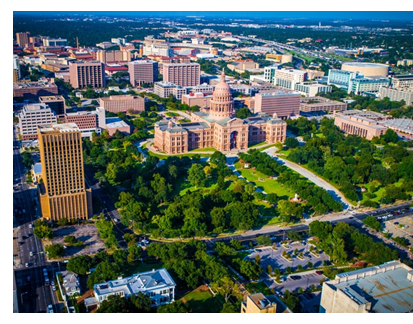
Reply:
x=334, y=192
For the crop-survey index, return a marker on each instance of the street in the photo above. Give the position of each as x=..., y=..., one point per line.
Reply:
x=32, y=294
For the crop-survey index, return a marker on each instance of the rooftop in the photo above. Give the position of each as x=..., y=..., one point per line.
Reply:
x=263, y=302
x=141, y=282
x=278, y=93
x=115, y=122
x=62, y=128
x=364, y=64
x=37, y=168
x=388, y=287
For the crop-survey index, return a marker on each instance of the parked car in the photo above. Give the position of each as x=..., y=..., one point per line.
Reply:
x=30, y=225
x=319, y=272
x=295, y=277
x=396, y=223
x=26, y=265
x=50, y=308
x=31, y=253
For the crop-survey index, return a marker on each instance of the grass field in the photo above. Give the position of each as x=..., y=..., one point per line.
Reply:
x=138, y=267
x=202, y=301
x=205, y=149
x=257, y=144
x=186, y=186
x=164, y=157
x=268, y=185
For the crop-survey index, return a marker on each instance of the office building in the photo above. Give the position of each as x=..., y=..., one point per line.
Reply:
x=197, y=99
x=182, y=74
x=118, y=41
x=54, y=42
x=87, y=121
x=313, y=104
x=269, y=72
x=63, y=193
x=163, y=89
x=311, y=89
x=143, y=71
x=32, y=90
x=288, y=78
x=402, y=81
x=258, y=303
x=218, y=128
x=123, y=103
x=368, y=86
x=279, y=103
x=241, y=66
x=404, y=62
x=397, y=94
x=16, y=69
x=83, y=74
x=341, y=78
x=33, y=115
x=23, y=38
x=157, y=284
x=386, y=288
x=112, y=124
x=356, y=122
x=56, y=103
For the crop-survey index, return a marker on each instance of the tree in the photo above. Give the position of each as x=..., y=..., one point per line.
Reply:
x=264, y=240
x=229, y=308
x=80, y=264
x=54, y=250
x=42, y=230
x=117, y=304
x=104, y=271
x=291, y=142
x=294, y=236
x=134, y=253
x=227, y=288
x=178, y=306
x=62, y=221
x=196, y=175
x=271, y=198
x=269, y=269
x=309, y=265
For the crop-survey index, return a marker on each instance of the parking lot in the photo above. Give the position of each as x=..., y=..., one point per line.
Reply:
x=86, y=233
x=275, y=260
x=401, y=227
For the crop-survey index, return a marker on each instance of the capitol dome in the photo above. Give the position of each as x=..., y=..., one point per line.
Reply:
x=222, y=105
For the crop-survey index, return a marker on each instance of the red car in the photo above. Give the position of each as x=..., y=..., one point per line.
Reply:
x=319, y=272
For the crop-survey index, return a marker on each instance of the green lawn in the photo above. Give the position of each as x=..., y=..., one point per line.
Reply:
x=203, y=302
x=138, y=267
x=205, y=149
x=379, y=192
x=258, y=287
x=268, y=185
x=186, y=186
x=265, y=147
x=164, y=157
x=171, y=114
x=181, y=121
x=256, y=144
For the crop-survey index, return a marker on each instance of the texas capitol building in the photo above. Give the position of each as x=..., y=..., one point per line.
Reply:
x=217, y=128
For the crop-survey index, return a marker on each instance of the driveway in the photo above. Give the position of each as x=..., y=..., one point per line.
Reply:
x=230, y=163
x=305, y=281
x=335, y=193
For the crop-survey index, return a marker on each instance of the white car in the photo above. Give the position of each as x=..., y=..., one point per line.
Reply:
x=26, y=265
x=31, y=253
x=30, y=225
x=50, y=308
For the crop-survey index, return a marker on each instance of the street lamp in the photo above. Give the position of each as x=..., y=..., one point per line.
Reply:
x=21, y=297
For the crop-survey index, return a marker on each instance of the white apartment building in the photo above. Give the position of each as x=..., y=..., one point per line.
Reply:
x=403, y=81
x=311, y=89
x=33, y=115
x=163, y=88
x=396, y=94
x=157, y=284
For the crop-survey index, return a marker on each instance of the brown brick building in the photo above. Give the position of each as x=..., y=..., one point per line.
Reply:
x=142, y=71
x=282, y=103
x=123, y=103
x=182, y=74
x=84, y=73
x=218, y=128
x=310, y=104
x=31, y=90
x=63, y=193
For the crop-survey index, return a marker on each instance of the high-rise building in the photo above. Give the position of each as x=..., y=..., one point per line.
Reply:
x=23, y=38
x=288, y=78
x=54, y=42
x=83, y=74
x=56, y=103
x=123, y=103
x=63, y=193
x=182, y=74
x=34, y=115
x=143, y=71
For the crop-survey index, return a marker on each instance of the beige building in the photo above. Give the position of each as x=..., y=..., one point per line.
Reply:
x=279, y=58
x=258, y=303
x=142, y=71
x=397, y=94
x=356, y=122
x=63, y=193
x=218, y=128
x=367, y=69
x=386, y=288
x=283, y=104
x=182, y=74
x=402, y=81
x=197, y=99
x=83, y=74
x=123, y=103
x=33, y=115
x=113, y=56
x=241, y=65
x=321, y=104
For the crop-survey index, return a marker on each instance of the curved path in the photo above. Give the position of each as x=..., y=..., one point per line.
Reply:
x=334, y=192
